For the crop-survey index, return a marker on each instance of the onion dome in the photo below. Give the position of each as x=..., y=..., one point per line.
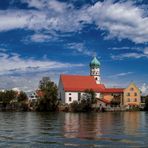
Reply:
x=94, y=63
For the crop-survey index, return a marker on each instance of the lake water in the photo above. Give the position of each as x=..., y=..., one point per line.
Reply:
x=57, y=130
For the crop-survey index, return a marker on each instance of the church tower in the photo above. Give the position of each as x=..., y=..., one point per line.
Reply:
x=95, y=69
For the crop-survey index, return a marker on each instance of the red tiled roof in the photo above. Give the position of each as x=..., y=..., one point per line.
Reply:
x=105, y=101
x=80, y=83
x=113, y=90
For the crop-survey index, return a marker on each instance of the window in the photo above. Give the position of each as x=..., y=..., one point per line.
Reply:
x=70, y=99
x=135, y=99
x=131, y=89
x=79, y=96
x=128, y=94
x=135, y=94
x=128, y=99
x=96, y=79
x=69, y=93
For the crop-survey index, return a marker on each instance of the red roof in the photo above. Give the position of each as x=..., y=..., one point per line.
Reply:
x=105, y=101
x=113, y=90
x=80, y=83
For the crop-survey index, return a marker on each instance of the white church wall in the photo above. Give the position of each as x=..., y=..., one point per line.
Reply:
x=70, y=97
x=74, y=96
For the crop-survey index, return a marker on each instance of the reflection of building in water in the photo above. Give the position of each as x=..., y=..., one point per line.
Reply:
x=131, y=122
x=90, y=126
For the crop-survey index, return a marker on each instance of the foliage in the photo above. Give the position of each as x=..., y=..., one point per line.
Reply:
x=22, y=101
x=7, y=96
x=85, y=104
x=116, y=100
x=22, y=97
x=146, y=103
x=48, y=101
x=11, y=100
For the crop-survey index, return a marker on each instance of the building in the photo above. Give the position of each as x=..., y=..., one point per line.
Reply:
x=132, y=96
x=72, y=88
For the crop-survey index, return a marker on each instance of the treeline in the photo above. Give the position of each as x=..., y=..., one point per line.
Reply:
x=145, y=100
x=48, y=100
x=12, y=100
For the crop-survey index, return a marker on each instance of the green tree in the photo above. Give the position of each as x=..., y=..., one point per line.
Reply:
x=22, y=97
x=48, y=101
x=146, y=103
x=9, y=96
x=86, y=102
x=22, y=100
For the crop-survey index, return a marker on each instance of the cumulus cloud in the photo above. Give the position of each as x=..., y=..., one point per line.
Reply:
x=11, y=63
x=121, y=19
x=139, y=54
x=81, y=48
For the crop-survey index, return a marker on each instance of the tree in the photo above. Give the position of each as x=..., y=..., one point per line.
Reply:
x=22, y=97
x=85, y=104
x=116, y=100
x=49, y=100
x=9, y=96
x=146, y=103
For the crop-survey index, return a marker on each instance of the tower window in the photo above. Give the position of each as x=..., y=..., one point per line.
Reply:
x=96, y=78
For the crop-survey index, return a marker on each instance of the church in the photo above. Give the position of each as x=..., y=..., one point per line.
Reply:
x=72, y=87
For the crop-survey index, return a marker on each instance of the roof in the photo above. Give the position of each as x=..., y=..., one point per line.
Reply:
x=95, y=62
x=80, y=83
x=105, y=101
x=113, y=90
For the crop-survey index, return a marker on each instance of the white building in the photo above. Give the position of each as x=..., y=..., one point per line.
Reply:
x=72, y=87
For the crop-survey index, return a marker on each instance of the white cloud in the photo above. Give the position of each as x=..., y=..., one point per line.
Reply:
x=140, y=54
x=121, y=74
x=125, y=48
x=11, y=63
x=40, y=38
x=144, y=89
x=80, y=47
x=121, y=20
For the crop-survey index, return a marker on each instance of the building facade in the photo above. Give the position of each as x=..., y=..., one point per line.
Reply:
x=72, y=88
x=132, y=96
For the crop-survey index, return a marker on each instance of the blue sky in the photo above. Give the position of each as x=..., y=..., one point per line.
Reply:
x=49, y=37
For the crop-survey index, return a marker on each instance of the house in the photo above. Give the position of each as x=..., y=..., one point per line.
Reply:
x=72, y=88
x=132, y=96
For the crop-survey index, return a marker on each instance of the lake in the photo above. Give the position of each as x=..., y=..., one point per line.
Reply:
x=57, y=130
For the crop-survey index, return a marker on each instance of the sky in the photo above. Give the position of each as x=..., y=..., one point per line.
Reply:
x=52, y=37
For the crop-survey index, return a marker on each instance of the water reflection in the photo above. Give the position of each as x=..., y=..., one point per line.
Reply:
x=73, y=129
x=125, y=127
